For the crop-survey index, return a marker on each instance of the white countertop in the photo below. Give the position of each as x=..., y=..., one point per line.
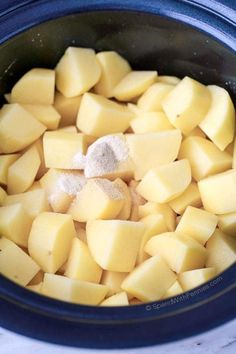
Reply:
x=220, y=340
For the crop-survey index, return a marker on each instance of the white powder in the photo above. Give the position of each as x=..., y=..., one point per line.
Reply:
x=71, y=183
x=110, y=188
x=79, y=161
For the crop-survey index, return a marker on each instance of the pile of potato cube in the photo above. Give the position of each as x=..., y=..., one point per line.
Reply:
x=162, y=222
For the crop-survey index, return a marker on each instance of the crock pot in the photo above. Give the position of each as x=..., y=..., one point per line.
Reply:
x=195, y=38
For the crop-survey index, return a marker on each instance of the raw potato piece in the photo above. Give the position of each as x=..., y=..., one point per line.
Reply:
x=100, y=116
x=120, y=299
x=113, y=281
x=194, y=278
x=77, y=71
x=46, y=114
x=42, y=168
x=3, y=195
x=99, y=199
x=114, y=244
x=204, y=157
x=197, y=132
x=166, y=182
x=190, y=196
x=174, y=290
x=134, y=84
x=181, y=252
x=153, y=149
x=164, y=209
x=72, y=290
x=219, y=123
x=50, y=240
x=81, y=265
x=114, y=68
x=22, y=172
x=227, y=223
x=15, y=264
x=18, y=128
x=187, y=104
x=124, y=213
x=221, y=250
x=172, y=80
x=67, y=107
x=150, y=122
x=150, y=280
x=218, y=192
x=15, y=224
x=5, y=162
x=152, y=99
x=198, y=224
x=60, y=148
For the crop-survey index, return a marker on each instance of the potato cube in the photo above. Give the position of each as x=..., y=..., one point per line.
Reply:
x=70, y=129
x=190, y=196
x=77, y=71
x=15, y=224
x=15, y=264
x=150, y=122
x=150, y=280
x=5, y=162
x=3, y=195
x=22, y=172
x=166, y=182
x=42, y=168
x=150, y=208
x=81, y=265
x=152, y=99
x=187, y=104
x=221, y=250
x=100, y=116
x=136, y=201
x=153, y=149
x=134, y=84
x=113, y=68
x=50, y=240
x=125, y=211
x=197, y=132
x=60, y=148
x=181, y=252
x=227, y=223
x=193, y=278
x=37, y=86
x=99, y=199
x=219, y=123
x=113, y=281
x=73, y=290
x=46, y=114
x=18, y=128
x=172, y=80
x=68, y=108
x=174, y=290
x=114, y=244
x=119, y=299
x=34, y=202
x=204, y=157
x=198, y=224
x=218, y=192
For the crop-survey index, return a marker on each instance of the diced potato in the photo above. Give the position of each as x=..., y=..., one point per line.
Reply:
x=113, y=281
x=3, y=195
x=150, y=208
x=153, y=149
x=204, y=157
x=100, y=116
x=46, y=114
x=181, y=252
x=114, y=244
x=155, y=224
x=150, y=280
x=198, y=224
x=152, y=99
x=190, y=196
x=22, y=172
x=134, y=84
x=99, y=199
x=77, y=71
x=174, y=290
x=37, y=86
x=119, y=299
x=221, y=250
x=218, y=192
x=125, y=211
x=37, y=287
x=73, y=290
x=219, y=123
x=18, y=128
x=197, y=132
x=42, y=168
x=15, y=264
x=166, y=182
x=193, y=278
x=172, y=80
x=187, y=104
x=50, y=240
x=37, y=279
x=150, y=122
x=5, y=162
x=134, y=109
x=70, y=129
x=60, y=148
x=113, y=68
x=35, y=185
x=80, y=231
x=34, y=202
x=227, y=223
x=81, y=265
x=68, y=108
x=15, y=224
